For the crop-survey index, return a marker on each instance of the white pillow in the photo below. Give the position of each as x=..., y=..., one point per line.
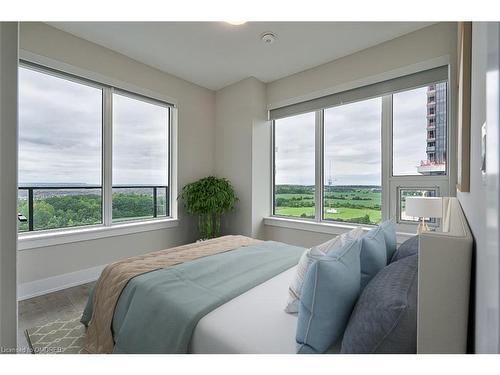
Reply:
x=295, y=288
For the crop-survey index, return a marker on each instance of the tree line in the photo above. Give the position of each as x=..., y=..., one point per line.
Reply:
x=77, y=210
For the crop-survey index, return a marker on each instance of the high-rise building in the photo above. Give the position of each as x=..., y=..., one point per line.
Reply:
x=436, y=131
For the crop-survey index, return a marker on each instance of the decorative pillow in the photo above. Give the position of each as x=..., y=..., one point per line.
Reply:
x=294, y=291
x=389, y=228
x=373, y=254
x=385, y=317
x=406, y=249
x=330, y=290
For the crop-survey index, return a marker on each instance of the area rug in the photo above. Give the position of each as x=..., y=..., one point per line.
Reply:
x=61, y=336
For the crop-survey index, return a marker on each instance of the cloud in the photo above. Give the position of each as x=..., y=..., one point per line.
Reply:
x=352, y=135
x=140, y=142
x=60, y=134
x=409, y=130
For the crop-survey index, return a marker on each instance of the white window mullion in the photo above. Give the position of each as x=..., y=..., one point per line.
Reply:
x=386, y=155
x=318, y=191
x=107, y=156
x=173, y=162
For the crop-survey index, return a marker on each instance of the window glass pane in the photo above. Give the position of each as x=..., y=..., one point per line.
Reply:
x=352, y=164
x=294, y=173
x=162, y=201
x=413, y=192
x=419, y=131
x=60, y=141
x=22, y=208
x=61, y=208
x=140, y=158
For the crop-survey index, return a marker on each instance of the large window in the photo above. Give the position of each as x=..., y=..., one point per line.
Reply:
x=294, y=166
x=419, y=131
x=355, y=156
x=67, y=126
x=353, y=169
x=60, y=138
x=140, y=158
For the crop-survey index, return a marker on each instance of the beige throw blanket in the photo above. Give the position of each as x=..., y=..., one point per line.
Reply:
x=115, y=276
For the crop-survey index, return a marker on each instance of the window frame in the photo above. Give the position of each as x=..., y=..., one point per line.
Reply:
x=41, y=238
x=390, y=184
x=81, y=81
x=132, y=95
x=398, y=218
x=317, y=172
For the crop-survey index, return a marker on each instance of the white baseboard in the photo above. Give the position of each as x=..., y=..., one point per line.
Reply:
x=59, y=282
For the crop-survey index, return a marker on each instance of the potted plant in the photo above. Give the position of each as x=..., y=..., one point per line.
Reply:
x=209, y=198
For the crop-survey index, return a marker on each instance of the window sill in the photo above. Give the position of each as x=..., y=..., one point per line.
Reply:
x=35, y=240
x=328, y=228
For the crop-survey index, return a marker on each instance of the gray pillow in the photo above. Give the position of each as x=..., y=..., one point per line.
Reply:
x=385, y=317
x=407, y=248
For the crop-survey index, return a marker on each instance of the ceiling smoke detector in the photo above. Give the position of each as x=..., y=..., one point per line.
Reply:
x=268, y=38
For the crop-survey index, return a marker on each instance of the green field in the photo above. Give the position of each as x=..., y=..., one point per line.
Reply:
x=354, y=204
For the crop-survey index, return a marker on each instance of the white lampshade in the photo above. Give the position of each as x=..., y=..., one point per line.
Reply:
x=424, y=207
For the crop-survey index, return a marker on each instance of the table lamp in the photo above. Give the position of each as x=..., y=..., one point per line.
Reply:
x=424, y=207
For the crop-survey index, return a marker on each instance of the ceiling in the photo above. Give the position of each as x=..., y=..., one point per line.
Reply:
x=216, y=54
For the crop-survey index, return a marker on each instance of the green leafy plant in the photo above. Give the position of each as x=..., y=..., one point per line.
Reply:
x=209, y=198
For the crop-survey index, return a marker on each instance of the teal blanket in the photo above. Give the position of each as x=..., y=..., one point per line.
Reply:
x=157, y=312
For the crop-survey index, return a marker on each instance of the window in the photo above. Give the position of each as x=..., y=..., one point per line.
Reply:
x=294, y=178
x=415, y=149
x=62, y=144
x=413, y=192
x=352, y=179
x=355, y=156
x=60, y=151
x=140, y=159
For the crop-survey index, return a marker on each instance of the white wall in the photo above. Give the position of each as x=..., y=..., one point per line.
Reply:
x=261, y=168
x=196, y=150
x=414, y=51
x=475, y=207
x=8, y=183
x=242, y=151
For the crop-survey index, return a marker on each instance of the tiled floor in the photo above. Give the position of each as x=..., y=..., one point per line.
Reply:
x=42, y=309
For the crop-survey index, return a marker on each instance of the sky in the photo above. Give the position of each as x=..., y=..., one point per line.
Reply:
x=409, y=130
x=353, y=146
x=60, y=134
x=140, y=142
x=61, y=124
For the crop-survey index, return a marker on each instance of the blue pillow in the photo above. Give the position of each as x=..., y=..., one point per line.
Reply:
x=389, y=228
x=329, y=292
x=373, y=254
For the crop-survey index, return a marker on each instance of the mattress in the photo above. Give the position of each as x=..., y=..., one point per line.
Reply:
x=254, y=322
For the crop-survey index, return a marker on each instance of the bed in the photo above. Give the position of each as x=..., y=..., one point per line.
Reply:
x=253, y=322
x=250, y=317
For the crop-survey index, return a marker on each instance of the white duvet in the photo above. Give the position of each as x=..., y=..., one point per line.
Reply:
x=254, y=322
